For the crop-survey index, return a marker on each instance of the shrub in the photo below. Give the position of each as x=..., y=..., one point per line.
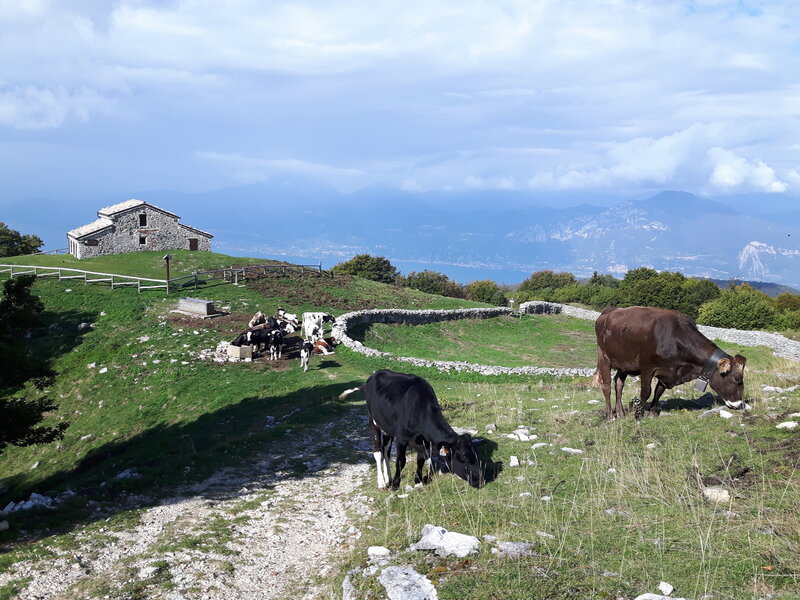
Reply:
x=542, y=283
x=376, y=268
x=743, y=307
x=433, y=282
x=486, y=291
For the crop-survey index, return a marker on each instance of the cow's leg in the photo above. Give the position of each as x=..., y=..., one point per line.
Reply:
x=646, y=389
x=424, y=453
x=378, y=442
x=400, y=462
x=619, y=385
x=604, y=378
x=655, y=407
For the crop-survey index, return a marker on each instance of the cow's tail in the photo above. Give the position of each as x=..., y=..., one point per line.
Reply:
x=596, y=381
x=346, y=393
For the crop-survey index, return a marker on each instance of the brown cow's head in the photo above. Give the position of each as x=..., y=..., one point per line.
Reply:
x=462, y=460
x=728, y=379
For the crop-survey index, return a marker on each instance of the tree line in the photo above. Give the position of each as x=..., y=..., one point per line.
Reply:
x=741, y=306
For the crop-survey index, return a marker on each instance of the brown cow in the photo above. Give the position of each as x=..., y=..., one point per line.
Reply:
x=665, y=344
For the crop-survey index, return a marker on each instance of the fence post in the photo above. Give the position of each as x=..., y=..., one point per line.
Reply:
x=195, y=280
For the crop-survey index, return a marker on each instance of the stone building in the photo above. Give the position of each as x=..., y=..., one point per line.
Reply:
x=135, y=225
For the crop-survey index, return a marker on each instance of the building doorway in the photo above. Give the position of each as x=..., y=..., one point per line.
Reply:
x=193, y=244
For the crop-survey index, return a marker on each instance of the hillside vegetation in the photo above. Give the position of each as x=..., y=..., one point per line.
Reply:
x=611, y=522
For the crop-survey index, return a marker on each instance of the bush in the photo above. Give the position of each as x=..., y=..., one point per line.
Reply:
x=486, y=291
x=540, y=285
x=376, y=268
x=433, y=282
x=19, y=308
x=787, y=302
x=740, y=308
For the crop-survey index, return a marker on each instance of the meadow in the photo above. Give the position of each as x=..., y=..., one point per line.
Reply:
x=613, y=521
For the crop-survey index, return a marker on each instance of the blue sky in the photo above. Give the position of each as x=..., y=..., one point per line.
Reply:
x=609, y=97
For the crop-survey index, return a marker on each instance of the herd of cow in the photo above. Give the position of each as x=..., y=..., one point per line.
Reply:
x=268, y=334
x=652, y=343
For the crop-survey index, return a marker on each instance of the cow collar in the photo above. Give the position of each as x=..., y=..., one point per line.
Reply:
x=708, y=369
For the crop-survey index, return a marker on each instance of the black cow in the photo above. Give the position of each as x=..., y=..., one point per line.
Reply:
x=665, y=345
x=404, y=408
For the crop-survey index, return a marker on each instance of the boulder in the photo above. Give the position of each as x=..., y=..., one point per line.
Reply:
x=446, y=543
x=404, y=583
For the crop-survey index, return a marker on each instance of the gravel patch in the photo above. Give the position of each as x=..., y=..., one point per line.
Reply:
x=257, y=532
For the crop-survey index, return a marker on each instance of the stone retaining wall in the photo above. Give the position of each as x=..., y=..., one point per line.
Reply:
x=780, y=345
x=421, y=317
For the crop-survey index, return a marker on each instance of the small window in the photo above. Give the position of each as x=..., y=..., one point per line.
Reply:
x=143, y=221
x=142, y=240
x=92, y=242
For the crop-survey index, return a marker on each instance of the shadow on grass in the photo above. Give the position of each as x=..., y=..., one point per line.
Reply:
x=244, y=446
x=704, y=402
x=485, y=450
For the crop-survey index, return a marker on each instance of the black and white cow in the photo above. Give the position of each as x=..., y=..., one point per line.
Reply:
x=313, y=322
x=275, y=343
x=404, y=408
x=257, y=319
x=306, y=350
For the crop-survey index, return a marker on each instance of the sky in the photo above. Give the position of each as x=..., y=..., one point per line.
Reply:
x=609, y=97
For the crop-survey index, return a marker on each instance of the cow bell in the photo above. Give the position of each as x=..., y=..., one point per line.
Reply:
x=700, y=385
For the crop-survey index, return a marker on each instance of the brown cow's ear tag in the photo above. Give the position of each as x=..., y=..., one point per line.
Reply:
x=700, y=385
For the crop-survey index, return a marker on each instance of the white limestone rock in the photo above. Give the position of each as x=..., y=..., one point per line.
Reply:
x=788, y=425
x=446, y=543
x=405, y=583
x=716, y=494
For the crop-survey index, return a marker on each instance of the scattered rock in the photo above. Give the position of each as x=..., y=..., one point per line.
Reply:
x=91, y=365
x=572, y=451
x=513, y=461
x=725, y=414
x=88, y=436
x=491, y=428
x=128, y=474
x=538, y=445
x=709, y=412
x=651, y=446
x=593, y=402
x=35, y=465
x=378, y=553
x=790, y=425
x=716, y=494
x=404, y=583
x=617, y=512
x=544, y=534
x=649, y=596
x=665, y=588
x=83, y=326
x=446, y=543
x=514, y=549
x=144, y=338
x=771, y=389
x=612, y=471
x=103, y=370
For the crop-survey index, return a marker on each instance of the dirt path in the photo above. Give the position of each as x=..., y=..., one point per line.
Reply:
x=258, y=532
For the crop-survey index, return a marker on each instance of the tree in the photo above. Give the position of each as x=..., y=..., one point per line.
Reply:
x=20, y=418
x=486, y=291
x=19, y=308
x=376, y=268
x=787, y=302
x=606, y=280
x=13, y=243
x=743, y=307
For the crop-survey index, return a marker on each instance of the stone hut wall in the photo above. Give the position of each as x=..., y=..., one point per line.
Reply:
x=162, y=232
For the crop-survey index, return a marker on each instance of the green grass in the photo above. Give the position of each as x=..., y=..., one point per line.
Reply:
x=140, y=264
x=177, y=423
x=533, y=340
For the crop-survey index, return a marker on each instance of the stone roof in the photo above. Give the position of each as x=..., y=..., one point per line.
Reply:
x=114, y=209
x=92, y=227
x=200, y=231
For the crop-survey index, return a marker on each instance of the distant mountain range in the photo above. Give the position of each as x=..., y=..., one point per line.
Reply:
x=499, y=235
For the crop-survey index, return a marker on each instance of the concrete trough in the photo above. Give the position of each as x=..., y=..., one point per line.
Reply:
x=196, y=306
x=240, y=351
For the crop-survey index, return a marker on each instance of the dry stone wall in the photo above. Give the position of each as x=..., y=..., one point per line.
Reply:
x=421, y=317
x=780, y=345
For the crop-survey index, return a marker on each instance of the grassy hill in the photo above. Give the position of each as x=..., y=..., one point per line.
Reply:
x=137, y=397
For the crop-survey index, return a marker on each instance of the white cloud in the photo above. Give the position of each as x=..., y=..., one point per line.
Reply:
x=33, y=107
x=732, y=171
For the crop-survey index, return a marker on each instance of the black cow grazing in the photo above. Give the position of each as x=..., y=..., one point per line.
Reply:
x=404, y=408
x=665, y=344
x=306, y=350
